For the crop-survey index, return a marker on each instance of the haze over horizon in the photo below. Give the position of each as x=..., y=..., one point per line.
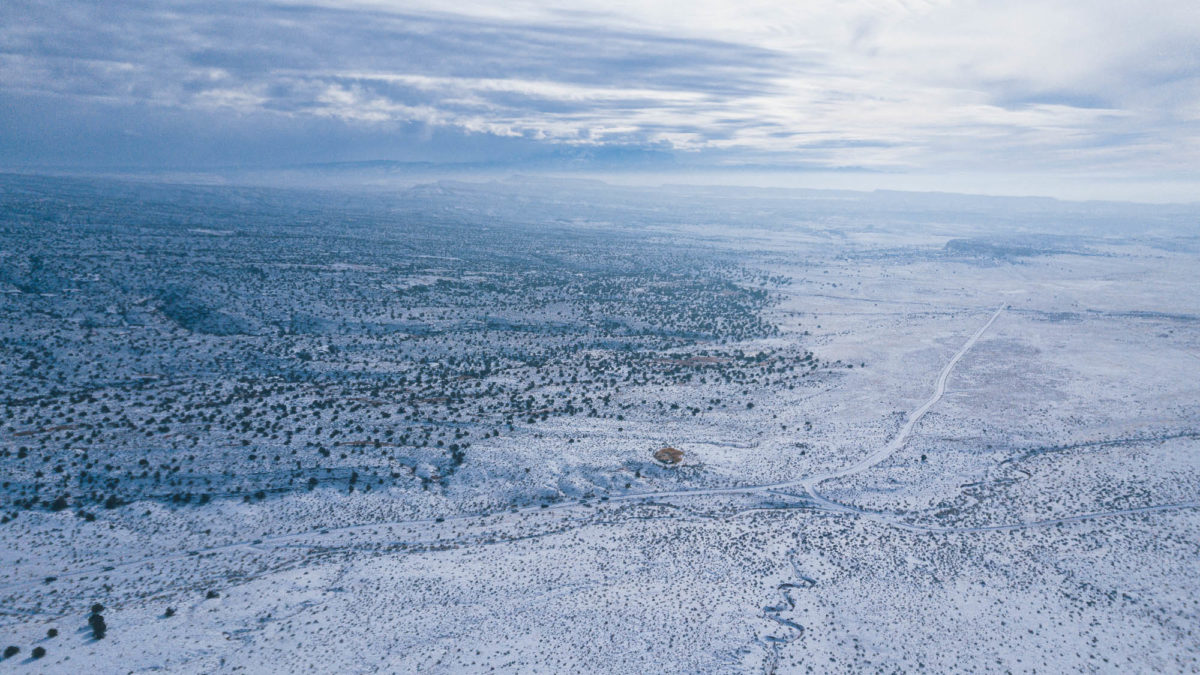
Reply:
x=1067, y=99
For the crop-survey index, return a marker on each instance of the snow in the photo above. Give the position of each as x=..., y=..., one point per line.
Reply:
x=1006, y=480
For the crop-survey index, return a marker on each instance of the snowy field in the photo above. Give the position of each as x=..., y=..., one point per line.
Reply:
x=422, y=432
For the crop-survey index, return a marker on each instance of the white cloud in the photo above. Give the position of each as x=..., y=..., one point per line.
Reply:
x=899, y=84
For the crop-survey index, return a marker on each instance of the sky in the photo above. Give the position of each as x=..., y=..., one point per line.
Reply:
x=1088, y=96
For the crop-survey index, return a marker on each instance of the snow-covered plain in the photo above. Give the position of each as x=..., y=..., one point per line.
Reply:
x=918, y=435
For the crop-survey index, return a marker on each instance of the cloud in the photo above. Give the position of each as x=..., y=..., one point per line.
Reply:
x=1098, y=86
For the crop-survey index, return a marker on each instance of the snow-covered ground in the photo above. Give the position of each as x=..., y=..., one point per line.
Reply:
x=926, y=457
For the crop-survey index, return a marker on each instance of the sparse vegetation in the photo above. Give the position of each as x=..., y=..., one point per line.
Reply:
x=472, y=427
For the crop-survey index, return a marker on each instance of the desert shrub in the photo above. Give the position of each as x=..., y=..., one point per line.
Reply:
x=99, y=627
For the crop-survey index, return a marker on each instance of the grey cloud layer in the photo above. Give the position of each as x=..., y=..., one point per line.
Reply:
x=167, y=80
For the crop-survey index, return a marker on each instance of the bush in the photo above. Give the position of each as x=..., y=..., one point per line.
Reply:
x=52, y=633
x=39, y=652
x=99, y=627
x=11, y=651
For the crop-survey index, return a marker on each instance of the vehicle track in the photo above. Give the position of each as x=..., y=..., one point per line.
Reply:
x=939, y=390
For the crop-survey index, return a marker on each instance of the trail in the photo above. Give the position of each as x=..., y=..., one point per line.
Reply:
x=810, y=483
x=939, y=390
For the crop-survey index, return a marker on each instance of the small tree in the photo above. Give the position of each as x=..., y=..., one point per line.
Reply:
x=11, y=651
x=99, y=628
x=39, y=652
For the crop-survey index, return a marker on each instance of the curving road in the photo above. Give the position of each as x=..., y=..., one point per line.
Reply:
x=901, y=438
